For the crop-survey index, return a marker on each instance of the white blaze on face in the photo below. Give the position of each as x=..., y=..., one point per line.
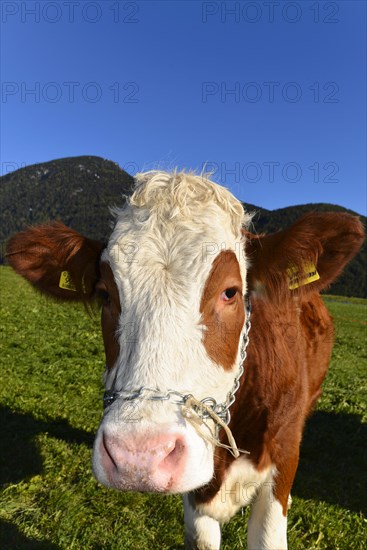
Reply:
x=161, y=253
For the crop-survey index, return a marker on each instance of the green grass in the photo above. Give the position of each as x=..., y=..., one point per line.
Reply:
x=50, y=407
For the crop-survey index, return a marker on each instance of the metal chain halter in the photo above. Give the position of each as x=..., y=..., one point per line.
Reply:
x=206, y=408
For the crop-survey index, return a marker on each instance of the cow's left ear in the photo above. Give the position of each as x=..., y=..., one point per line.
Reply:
x=308, y=256
x=57, y=260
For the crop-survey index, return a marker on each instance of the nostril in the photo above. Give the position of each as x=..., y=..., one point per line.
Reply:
x=105, y=446
x=175, y=451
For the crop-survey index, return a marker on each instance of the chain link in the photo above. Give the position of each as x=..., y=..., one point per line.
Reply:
x=221, y=409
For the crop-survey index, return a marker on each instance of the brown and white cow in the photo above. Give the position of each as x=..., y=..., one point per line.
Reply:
x=172, y=280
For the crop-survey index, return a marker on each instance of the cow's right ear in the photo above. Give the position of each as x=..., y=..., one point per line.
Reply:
x=57, y=260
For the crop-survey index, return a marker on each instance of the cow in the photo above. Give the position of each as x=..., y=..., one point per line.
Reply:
x=216, y=341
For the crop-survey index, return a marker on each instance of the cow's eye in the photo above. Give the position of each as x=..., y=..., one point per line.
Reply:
x=229, y=294
x=103, y=295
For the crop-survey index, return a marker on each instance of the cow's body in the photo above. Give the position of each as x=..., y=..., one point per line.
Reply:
x=172, y=279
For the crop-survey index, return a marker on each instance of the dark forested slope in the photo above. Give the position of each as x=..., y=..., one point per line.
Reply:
x=76, y=190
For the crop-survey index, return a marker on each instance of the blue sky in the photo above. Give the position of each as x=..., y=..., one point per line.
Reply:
x=271, y=95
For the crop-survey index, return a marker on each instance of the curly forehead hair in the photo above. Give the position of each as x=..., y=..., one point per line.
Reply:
x=184, y=195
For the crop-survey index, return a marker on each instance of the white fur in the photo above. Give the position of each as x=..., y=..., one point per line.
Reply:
x=239, y=488
x=200, y=530
x=161, y=252
x=267, y=526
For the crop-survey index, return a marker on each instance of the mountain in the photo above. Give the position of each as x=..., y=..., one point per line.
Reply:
x=76, y=190
x=80, y=190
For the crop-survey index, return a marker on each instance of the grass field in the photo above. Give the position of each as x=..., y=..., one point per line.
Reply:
x=50, y=406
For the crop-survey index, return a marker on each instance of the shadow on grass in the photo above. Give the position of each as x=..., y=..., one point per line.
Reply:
x=332, y=464
x=331, y=468
x=12, y=539
x=19, y=457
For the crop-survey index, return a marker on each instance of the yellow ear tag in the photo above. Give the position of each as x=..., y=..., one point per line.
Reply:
x=297, y=279
x=66, y=281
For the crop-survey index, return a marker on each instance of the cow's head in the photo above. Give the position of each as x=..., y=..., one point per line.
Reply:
x=171, y=280
x=172, y=277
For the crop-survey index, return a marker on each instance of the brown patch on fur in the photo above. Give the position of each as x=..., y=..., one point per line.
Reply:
x=41, y=253
x=111, y=310
x=329, y=240
x=290, y=345
x=224, y=320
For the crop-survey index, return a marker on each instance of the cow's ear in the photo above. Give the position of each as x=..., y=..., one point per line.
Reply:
x=306, y=257
x=57, y=260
